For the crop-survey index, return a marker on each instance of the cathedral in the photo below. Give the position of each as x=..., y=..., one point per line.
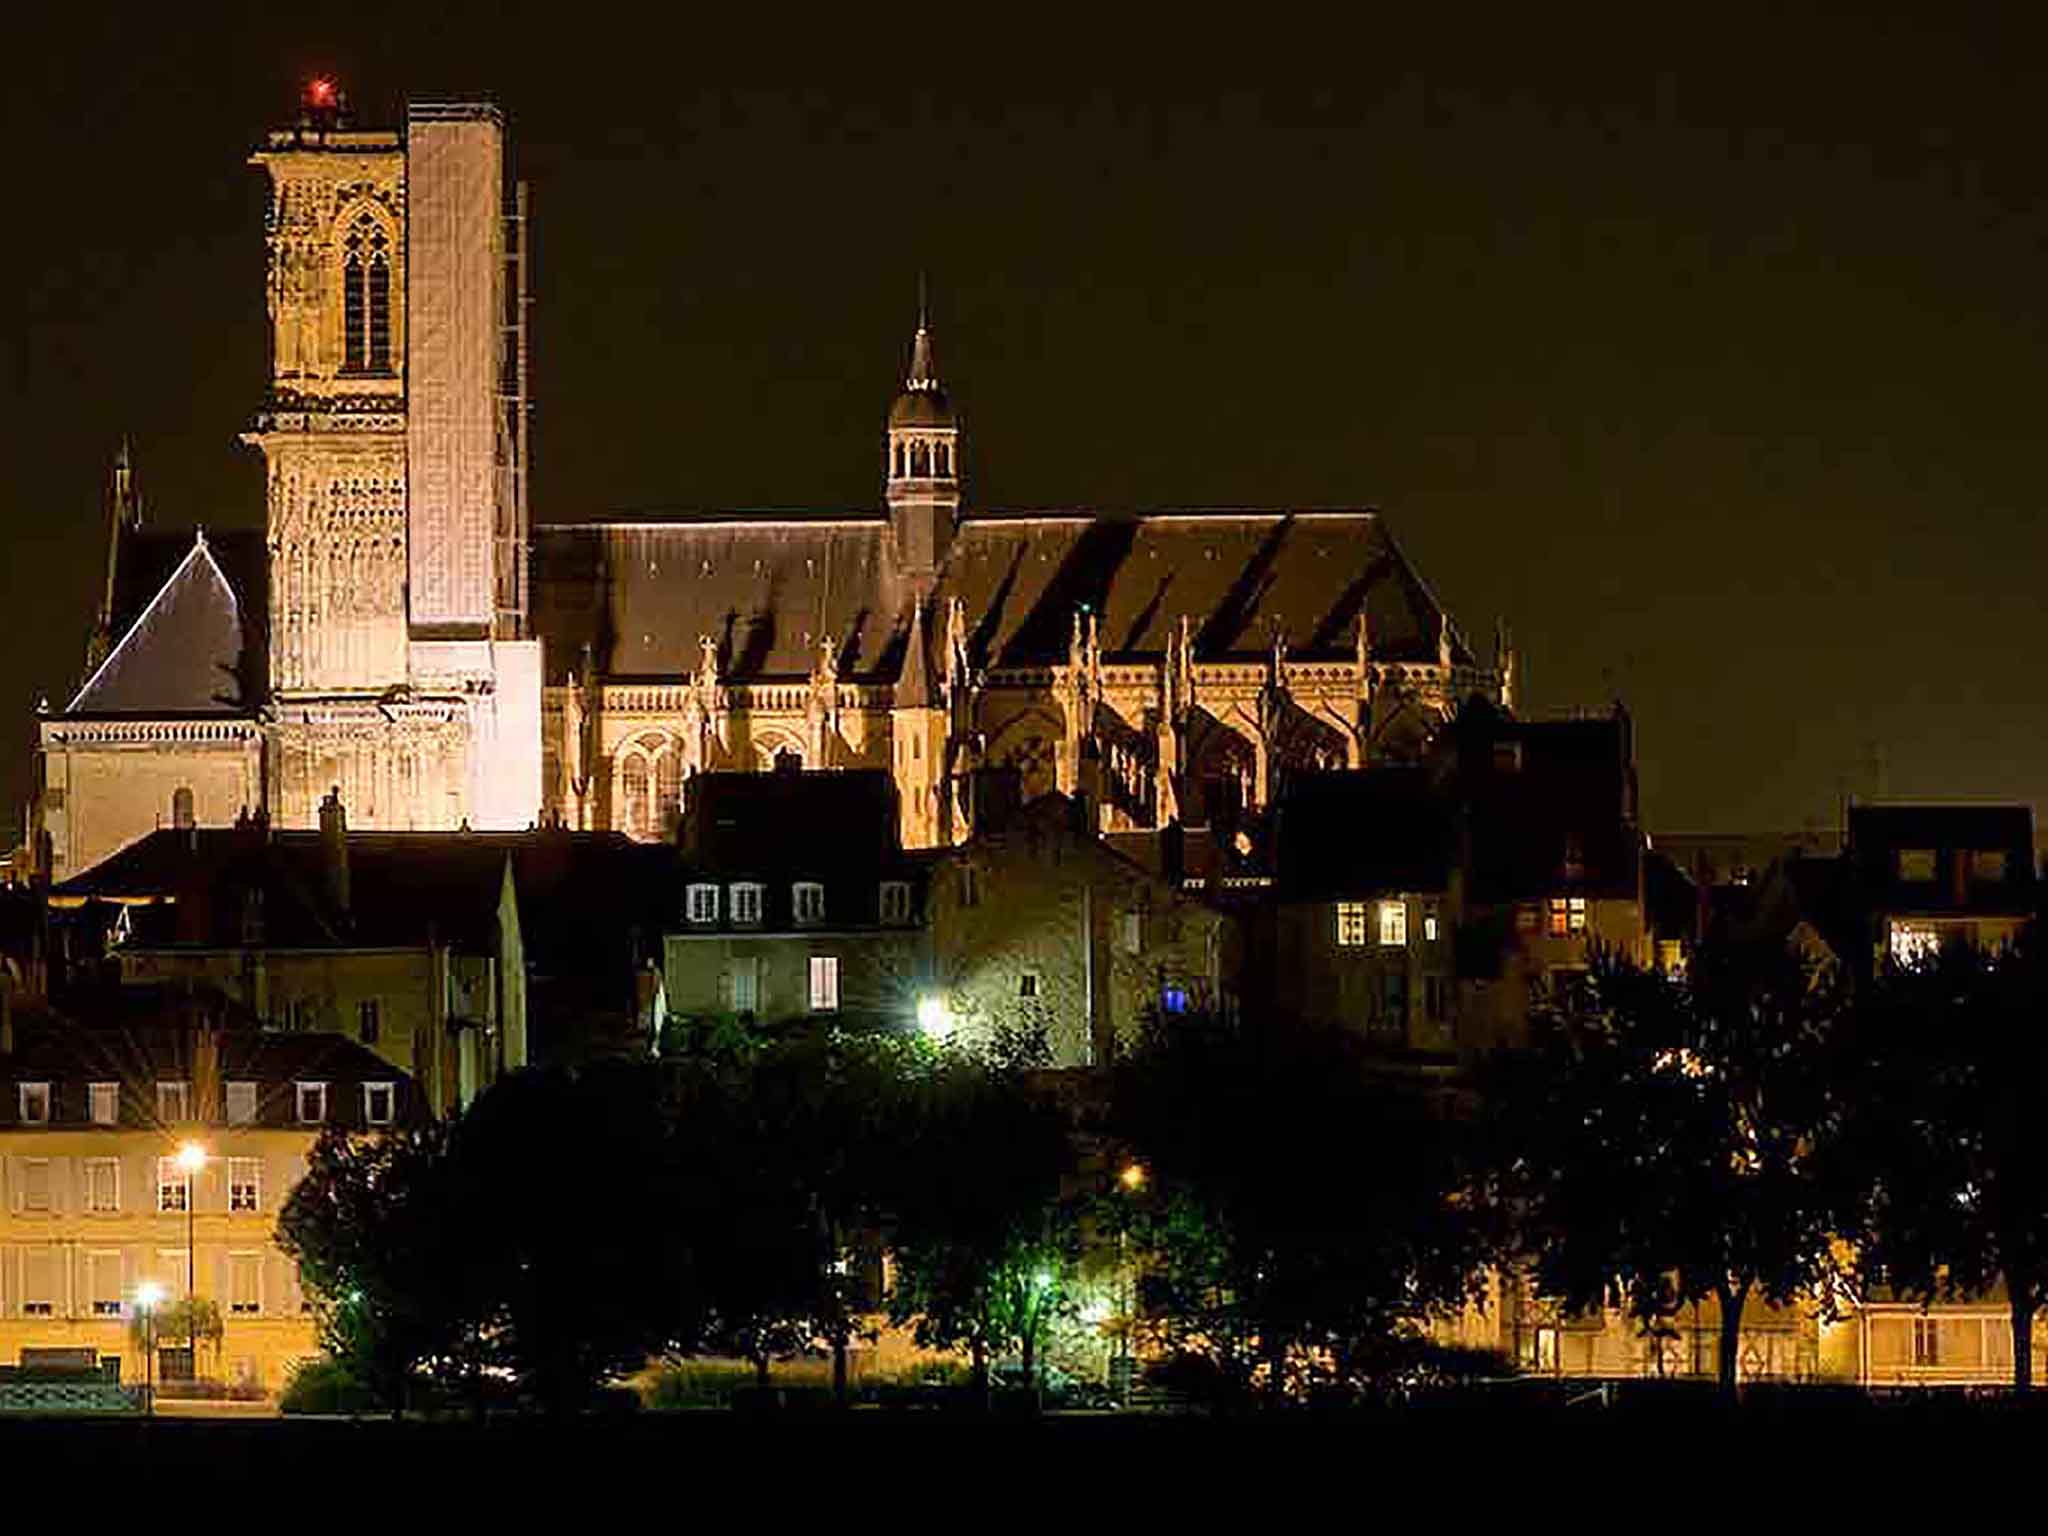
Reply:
x=402, y=637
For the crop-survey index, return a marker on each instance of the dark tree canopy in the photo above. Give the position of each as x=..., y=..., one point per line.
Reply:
x=1951, y=1123
x=1299, y=1213
x=1665, y=1141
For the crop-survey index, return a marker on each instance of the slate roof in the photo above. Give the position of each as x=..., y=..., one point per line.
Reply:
x=768, y=588
x=136, y=1036
x=1551, y=805
x=592, y=905
x=189, y=614
x=1377, y=830
x=1953, y=833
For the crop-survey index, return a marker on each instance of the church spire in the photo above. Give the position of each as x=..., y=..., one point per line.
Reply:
x=923, y=469
x=924, y=374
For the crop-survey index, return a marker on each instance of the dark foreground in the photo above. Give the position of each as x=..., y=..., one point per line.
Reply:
x=1811, y=1448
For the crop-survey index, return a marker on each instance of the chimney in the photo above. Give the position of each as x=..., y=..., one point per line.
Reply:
x=334, y=850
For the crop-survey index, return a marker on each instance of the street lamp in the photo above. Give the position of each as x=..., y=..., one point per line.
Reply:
x=148, y=1296
x=191, y=1158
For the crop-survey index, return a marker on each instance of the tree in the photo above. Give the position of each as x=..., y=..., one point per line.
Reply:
x=381, y=1238
x=1951, y=1101
x=1665, y=1141
x=983, y=1247
x=1300, y=1213
x=575, y=1235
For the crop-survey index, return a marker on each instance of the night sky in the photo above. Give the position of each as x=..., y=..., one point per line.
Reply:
x=1712, y=360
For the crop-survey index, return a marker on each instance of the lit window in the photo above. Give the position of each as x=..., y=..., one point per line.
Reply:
x=1546, y=1349
x=1429, y=927
x=35, y=1103
x=1914, y=945
x=174, y=1102
x=746, y=905
x=1133, y=932
x=369, y=1020
x=1577, y=914
x=173, y=1186
x=380, y=1102
x=703, y=904
x=245, y=1184
x=1027, y=984
x=104, y=1102
x=35, y=1184
x=1527, y=917
x=1927, y=1341
x=895, y=901
x=310, y=1103
x=1350, y=924
x=241, y=1103
x=1560, y=917
x=245, y=1278
x=807, y=901
x=1988, y=865
x=824, y=983
x=1393, y=924
x=1916, y=864
x=1173, y=999
x=103, y=1185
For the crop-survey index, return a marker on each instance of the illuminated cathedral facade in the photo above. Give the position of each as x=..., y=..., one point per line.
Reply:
x=400, y=636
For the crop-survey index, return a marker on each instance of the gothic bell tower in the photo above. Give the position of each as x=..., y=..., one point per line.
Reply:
x=923, y=468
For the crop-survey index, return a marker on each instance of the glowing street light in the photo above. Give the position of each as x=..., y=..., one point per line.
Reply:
x=148, y=1297
x=934, y=1018
x=1132, y=1177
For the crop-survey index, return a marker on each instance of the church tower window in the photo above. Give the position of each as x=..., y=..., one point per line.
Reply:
x=366, y=297
x=181, y=807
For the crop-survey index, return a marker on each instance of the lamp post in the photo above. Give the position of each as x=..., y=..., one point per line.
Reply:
x=147, y=1295
x=191, y=1158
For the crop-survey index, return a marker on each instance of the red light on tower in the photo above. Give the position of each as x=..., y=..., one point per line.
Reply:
x=320, y=92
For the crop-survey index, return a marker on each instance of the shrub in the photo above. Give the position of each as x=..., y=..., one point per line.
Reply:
x=325, y=1386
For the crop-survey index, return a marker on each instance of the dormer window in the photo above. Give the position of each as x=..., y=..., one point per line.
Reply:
x=1987, y=865
x=807, y=901
x=380, y=1102
x=703, y=904
x=895, y=901
x=310, y=1101
x=173, y=1102
x=1916, y=865
x=746, y=904
x=35, y=1103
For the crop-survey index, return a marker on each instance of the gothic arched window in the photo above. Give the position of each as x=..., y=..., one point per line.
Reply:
x=900, y=471
x=668, y=791
x=920, y=461
x=943, y=459
x=633, y=790
x=366, y=297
